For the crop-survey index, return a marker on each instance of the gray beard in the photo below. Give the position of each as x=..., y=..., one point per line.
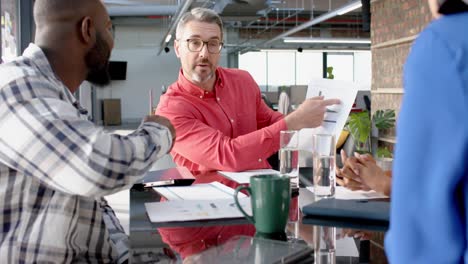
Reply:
x=198, y=79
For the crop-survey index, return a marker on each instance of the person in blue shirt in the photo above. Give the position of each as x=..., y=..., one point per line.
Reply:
x=430, y=176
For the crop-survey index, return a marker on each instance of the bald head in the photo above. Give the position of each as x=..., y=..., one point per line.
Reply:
x=63, y=11
x=75, y=34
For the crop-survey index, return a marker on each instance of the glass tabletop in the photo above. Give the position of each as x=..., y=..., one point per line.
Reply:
x=246, y=249
x=193, y=241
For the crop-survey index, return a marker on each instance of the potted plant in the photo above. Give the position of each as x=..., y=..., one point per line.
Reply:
x=360, y=126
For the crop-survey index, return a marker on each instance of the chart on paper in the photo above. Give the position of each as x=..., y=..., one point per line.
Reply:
x=336, y=115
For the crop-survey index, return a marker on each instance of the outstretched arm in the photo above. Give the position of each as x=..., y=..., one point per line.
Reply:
x=45, y=138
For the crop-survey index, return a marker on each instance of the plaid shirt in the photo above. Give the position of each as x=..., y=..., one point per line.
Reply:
x=55, y=166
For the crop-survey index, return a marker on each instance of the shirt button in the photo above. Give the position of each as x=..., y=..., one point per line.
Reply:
x=232, y=120
x=259, y=160
x=206, y=92
x=201, y=96
x=219, y=99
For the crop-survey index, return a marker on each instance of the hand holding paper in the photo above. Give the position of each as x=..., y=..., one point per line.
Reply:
x=310, y=113
x=335, y=115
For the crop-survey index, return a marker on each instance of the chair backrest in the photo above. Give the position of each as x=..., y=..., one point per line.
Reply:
x=284, y=103
x=267, y=101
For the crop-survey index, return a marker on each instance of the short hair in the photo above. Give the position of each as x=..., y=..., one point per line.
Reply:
x=448, y=7
x=201, y=15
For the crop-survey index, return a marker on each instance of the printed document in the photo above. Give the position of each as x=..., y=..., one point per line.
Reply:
x=336, y=115
x=177, y=211
x=205, y=191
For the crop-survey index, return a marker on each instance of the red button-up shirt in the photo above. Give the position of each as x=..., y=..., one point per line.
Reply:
x=229, y=129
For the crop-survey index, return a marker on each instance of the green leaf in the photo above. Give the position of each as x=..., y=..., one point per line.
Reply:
x=384, y=153
x=360, y=126
x=384, y=119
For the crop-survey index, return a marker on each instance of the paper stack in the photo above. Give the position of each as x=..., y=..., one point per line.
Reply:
x=197, y=202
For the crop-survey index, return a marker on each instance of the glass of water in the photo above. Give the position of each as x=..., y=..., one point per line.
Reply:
x=324, y=238
x=324, y=176
x=289, y=155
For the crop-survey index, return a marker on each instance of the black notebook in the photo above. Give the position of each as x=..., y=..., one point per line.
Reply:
x=370, y=213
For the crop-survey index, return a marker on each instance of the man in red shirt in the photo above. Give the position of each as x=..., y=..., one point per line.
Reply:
x=220, y=118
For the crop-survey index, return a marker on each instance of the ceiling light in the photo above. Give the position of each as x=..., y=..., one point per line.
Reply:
x=327, y=40
x=324, y=17
x=349, y=8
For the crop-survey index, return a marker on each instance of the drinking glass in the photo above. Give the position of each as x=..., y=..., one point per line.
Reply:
x=289, y=155
x=324, y=244
x=324, y=176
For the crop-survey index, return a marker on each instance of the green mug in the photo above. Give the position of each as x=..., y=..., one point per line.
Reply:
x=270, y=196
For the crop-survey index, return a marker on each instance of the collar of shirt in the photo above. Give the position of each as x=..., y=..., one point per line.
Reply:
x=195, y=90
x=42, y=64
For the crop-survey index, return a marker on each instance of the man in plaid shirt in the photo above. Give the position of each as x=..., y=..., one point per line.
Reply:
x=54, y=164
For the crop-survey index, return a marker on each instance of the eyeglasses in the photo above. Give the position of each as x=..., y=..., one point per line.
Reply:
x=196, y=45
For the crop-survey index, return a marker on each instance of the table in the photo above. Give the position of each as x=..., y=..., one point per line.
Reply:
x=194, y=237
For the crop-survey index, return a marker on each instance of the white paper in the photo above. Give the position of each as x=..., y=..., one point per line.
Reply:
x=244, y=176
x=335, y=119
x=346, y=194
x=177, y=211
x=206, y=191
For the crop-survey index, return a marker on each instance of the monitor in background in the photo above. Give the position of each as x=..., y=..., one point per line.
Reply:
x=118, y=70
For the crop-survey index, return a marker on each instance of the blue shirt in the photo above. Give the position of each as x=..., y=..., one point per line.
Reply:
x=429, y=194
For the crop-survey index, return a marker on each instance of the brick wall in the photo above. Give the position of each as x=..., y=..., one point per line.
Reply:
x=395, y=24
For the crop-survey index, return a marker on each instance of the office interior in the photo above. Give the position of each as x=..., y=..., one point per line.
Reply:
x=282, y=43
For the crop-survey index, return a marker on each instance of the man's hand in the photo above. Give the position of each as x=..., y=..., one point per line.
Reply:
x=162, y=121
x=309, y=114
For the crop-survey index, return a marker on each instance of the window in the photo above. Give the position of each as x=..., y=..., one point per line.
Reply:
x=256, y=64
x=343, y=65
x=309, y=65
x=363, y=67
x=9, y=29
x=281, y=69
x=274, y=68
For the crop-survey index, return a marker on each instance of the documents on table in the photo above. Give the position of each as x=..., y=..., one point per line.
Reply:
x=336, y=115
x=205, y=191
x=347, y=194
x=243, y=177
x=176, y=211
